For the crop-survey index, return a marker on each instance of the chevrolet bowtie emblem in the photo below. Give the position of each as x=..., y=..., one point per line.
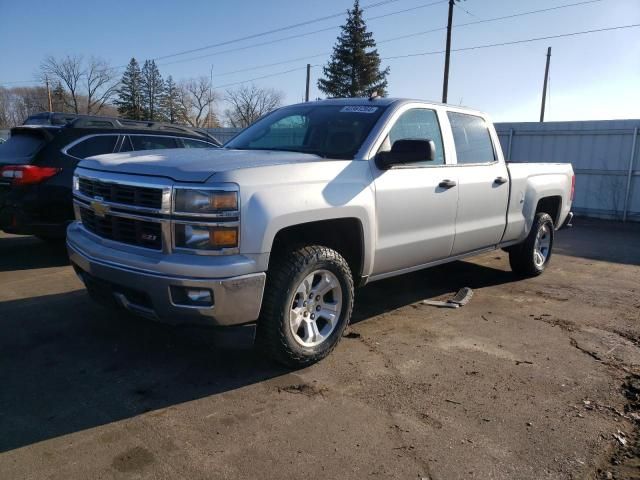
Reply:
x=100, y=209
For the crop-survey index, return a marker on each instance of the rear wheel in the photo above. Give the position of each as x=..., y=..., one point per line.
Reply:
x=307, y=305
x=531, y=257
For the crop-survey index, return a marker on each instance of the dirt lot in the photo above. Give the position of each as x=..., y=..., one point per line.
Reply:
x=532, y=379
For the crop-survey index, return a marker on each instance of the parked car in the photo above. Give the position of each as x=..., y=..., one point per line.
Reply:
x=37, y=163
x=312, y=200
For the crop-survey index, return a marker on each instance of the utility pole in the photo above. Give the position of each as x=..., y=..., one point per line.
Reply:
x=210, y=95
x=306, y=92
x=46, y=81
x=445, y=83
x=544, y=88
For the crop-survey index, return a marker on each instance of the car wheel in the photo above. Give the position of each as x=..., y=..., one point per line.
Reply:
x=307, y=304
x=531, y=257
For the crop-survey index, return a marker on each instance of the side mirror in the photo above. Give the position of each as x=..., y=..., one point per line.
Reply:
x=407, y=151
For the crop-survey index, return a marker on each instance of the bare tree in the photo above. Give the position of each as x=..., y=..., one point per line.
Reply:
x=17, y=103
x=100, y=83
x=198, y=100
x=248, y=103
x=69, y=71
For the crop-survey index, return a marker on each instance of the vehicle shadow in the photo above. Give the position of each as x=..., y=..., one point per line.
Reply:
x=69, y=364
x=27, y=252
x=387, y=295
x=603, y=240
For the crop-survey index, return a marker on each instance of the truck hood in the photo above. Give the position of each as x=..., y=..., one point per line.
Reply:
x=191, y=164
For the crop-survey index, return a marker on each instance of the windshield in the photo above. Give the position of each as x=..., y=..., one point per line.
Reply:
x=330, y=131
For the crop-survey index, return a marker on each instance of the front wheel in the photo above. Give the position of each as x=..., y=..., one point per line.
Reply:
x=307, y=304
x=531, y=257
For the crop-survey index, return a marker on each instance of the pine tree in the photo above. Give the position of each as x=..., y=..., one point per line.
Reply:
x=354, y=68
x=129, y=101
x=172, y=109
x=59, y=98
x=152, y=87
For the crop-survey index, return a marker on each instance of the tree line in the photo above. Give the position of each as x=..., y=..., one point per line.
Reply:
x=93, y=87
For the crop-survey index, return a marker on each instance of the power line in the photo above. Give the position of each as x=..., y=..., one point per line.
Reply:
x=263, y=76
x=304, y=34
x=278, y=40
x=466, y=11
x=515, y=42
x=410, y=35
x=401, y=37
x=436, y=52
x=269, y=32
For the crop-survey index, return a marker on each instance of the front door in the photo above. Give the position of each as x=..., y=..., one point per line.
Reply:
x=415, y=214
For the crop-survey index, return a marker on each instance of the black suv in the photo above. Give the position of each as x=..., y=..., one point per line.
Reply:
x=38, y=160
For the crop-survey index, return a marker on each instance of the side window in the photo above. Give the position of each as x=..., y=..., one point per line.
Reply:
x=472, y=139
x=152, y=142
x=189, y=143
x=417, y=124
x=97, y=145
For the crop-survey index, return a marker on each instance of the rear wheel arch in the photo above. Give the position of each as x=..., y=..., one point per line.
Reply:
x=551, y=205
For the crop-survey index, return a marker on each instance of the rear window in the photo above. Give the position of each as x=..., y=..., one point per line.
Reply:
x=152, y=142
x=472, y=139
x=97, y=145
x=20, y=148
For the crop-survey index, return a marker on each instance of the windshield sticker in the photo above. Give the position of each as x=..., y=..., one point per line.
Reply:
x=358, y=109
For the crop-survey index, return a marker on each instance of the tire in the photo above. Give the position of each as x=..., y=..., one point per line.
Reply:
x=287, y=303
x=530, y=258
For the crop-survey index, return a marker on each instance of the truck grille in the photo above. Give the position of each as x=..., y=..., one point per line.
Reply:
x=118, y=193
x=126, y=230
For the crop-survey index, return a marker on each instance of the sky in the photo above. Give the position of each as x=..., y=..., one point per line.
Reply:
x=592, y=77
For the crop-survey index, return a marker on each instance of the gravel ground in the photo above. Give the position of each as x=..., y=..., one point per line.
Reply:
x=533, y=378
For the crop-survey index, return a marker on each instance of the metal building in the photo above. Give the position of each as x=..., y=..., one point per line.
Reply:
x=604, y=155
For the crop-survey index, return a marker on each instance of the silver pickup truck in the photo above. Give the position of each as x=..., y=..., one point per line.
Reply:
x=313, y=199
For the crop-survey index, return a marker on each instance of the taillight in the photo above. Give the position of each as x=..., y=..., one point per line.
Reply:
x=27, y=174
x=573, y=186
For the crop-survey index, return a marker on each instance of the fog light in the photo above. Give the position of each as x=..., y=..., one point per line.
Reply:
x=192, y=297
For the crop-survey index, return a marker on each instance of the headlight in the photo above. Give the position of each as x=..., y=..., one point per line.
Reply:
x=76, y=183
x=204, y=237
x=205, y=201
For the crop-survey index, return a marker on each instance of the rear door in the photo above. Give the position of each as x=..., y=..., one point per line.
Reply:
x=483, y=186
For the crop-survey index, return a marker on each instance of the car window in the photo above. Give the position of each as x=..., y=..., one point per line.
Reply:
x=96, y=145
x=417, y=124
x=20, y=148
x=290, y=131
x=190, y=143
x=152, y=142
x=330, y=131
x=126, y=144
x=472, y=139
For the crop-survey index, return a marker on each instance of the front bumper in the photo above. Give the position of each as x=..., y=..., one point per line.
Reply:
x=236, y=300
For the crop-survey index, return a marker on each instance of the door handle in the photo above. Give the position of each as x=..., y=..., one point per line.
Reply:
x=447, y=184
x=500, y=180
